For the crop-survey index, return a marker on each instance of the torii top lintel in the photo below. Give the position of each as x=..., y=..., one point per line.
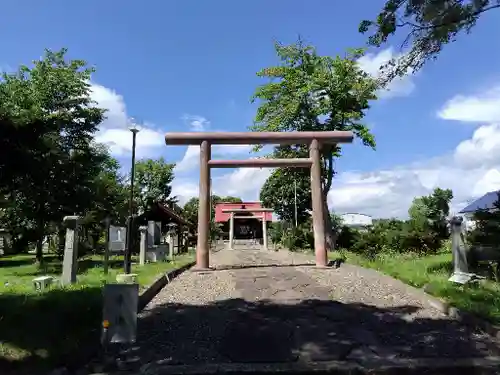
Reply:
x=256, y=138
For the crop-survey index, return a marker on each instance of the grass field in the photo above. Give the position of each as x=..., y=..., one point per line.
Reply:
x=481, y=298
x=61, y=326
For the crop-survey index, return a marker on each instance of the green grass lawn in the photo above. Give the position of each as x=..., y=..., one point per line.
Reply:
x=481, y=298
x=41, y=330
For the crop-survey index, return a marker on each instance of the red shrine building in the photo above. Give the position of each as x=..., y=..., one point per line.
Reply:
x=246, y=225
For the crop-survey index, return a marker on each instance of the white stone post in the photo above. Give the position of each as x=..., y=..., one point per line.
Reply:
x=143, y=246
x=171, y=245
x=70, y=260
x=264, y=232
x=231, y=230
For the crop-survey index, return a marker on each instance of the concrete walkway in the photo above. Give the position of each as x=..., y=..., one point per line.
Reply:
x=275, y=307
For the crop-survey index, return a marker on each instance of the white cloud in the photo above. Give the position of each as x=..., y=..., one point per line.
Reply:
x=399, y=86
x=389, y=193
x=196, y=123
x=480, y=108
x=114, y=129
x=483, y=149
x=191, y=159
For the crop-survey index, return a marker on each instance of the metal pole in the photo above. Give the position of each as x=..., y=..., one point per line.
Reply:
x=295, y=186
x=128, y=249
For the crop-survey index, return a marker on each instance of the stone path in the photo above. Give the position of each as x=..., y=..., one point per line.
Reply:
x=265, y=307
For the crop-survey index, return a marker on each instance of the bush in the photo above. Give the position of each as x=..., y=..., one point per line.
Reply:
x=347, y=237
x=397, y=236
x=297, y=238
x=276, y=231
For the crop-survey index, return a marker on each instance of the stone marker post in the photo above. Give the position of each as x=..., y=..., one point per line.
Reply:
x=143, y=246
x=70, y=260
x=461, y=273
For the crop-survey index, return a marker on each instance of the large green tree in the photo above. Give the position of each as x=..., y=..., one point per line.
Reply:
x=50, y=120
x=288, y=189
x=153, y=183
x=427, y=26
x=432, y=211
x=310, y=92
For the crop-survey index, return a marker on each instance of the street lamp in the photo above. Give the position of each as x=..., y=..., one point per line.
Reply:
x=133, y=127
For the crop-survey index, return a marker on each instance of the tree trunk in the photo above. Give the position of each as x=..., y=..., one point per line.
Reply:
x=61, y=234
x=330, y=235
x=39, y=250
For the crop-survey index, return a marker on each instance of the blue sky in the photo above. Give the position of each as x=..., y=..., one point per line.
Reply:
x=190, y=65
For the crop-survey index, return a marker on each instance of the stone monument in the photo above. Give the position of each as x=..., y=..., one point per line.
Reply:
x=70, y=260
x=461, y=273
x=151, y=233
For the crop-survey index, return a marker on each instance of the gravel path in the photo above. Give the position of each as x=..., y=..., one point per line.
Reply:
x=264, y=307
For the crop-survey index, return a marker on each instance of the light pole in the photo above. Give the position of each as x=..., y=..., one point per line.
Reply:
x=128, y=249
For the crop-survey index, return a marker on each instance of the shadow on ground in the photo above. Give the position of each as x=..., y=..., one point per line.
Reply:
x=237, y=331
x=57, y=328
x=11, y=261
x=53, y=266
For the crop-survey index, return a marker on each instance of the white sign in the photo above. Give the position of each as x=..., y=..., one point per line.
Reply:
x=117, y=238
x=355, y=220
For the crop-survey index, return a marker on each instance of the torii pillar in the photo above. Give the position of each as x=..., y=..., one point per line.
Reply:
x=314, y=139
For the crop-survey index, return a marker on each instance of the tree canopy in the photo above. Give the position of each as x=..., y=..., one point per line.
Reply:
x=280, y=190
x=153, y=183
x=428, y=25
x=310, y=92
x=48, y=122
x=432, y=211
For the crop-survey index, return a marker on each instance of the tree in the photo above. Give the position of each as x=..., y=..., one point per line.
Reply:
x=432, y=211
x=309, y=92
x=51, y=121
x=428, y=25
x=153, y=179
x=278, y=193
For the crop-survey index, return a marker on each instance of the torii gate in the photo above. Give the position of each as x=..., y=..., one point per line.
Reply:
x=207, y=139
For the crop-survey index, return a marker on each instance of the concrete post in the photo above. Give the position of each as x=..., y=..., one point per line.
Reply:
x=264, y=232
x=231, y=230
x=202, y=253
x=70, y=260
x=317, y=205
x=143, y=245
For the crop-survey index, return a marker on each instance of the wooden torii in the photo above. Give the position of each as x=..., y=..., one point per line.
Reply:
x=206, y=139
